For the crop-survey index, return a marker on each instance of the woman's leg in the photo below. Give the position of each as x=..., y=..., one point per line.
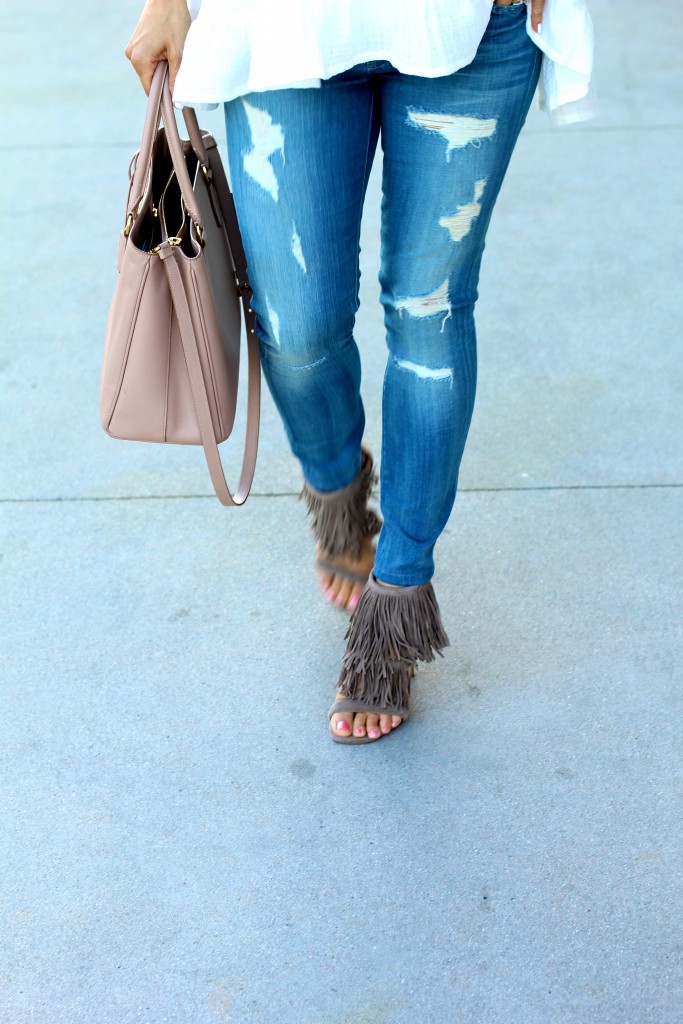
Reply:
x=447, y=144
x=299, y=163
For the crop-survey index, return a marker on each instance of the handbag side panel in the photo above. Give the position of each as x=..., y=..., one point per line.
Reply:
x=136, y=363
x=219, y=371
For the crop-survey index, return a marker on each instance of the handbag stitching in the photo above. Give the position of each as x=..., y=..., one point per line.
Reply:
x=131, y=331
x=168, y=369
x=207, y=349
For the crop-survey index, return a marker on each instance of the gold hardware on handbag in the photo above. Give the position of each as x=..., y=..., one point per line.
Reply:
x=172, y=347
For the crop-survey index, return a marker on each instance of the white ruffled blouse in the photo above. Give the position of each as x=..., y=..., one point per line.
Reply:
x=234, y=48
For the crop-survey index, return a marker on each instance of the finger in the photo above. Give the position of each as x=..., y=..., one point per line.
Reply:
x=144, y=67
x=174, y=59
x=146, y=75
x=537, y=14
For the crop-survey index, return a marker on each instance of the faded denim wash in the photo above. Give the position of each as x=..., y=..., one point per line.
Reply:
x=299, y=163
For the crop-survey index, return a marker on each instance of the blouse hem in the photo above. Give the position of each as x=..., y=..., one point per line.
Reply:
x=213, y=100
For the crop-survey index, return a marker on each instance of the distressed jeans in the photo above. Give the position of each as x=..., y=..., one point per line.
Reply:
x=299, y=164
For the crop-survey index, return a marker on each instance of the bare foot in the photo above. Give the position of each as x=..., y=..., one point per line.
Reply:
x=361, y=724
x=336, y=588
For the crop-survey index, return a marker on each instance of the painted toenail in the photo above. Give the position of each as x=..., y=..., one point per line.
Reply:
x=374, y=733
x=343, y=726
x=353, y=601
x=359, y=732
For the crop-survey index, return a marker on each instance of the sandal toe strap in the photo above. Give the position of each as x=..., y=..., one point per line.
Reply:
x=339, y=570
x=348, y=704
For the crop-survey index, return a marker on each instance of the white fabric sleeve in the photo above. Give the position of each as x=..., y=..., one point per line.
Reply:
x=567, y=41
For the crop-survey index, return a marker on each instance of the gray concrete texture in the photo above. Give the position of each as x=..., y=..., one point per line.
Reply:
x=181, y=842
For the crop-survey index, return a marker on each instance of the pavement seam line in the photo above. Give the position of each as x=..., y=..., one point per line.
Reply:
x=295, y=494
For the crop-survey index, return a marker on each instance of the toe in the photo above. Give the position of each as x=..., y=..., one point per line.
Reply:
x=385, y=723
x=324, y=575
x=341, y=724
x=324, y=579
x=343, y=594
x=355, y=596
x=372, y=727
x=395, y=721
x=359, y=724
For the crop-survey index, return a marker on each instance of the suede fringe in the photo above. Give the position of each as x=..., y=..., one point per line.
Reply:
x=390, y=631
x=340, y=519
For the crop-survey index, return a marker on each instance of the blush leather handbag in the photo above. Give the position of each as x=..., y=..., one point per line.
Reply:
x=172, y=347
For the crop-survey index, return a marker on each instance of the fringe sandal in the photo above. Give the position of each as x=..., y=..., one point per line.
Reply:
x=390, y=631
x=340, y=520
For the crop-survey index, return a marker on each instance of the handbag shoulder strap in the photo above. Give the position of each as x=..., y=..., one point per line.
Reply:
x=201, y=403
x=206, y=151
x=227, y=207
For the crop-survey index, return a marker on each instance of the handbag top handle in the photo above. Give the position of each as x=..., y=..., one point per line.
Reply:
x=160, y=107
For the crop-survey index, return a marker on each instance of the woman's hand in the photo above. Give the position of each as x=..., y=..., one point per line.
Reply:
x=159, y=35
x=536, y=10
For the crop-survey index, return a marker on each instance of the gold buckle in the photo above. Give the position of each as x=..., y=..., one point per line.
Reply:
x=174, y=240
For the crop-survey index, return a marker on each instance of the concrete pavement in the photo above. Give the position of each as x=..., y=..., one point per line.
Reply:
x=181, y=842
